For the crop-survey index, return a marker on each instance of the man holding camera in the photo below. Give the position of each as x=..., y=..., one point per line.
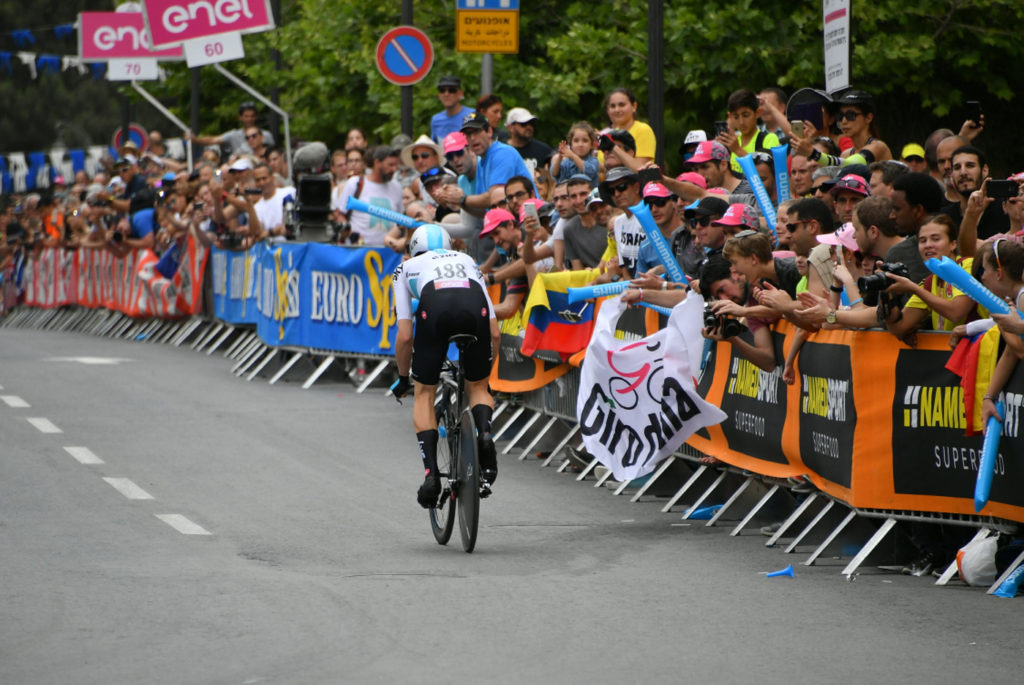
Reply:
x=732, y=297
x=270, y=207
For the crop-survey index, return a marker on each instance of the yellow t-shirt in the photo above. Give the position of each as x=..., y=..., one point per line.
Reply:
x=941, y=289
x=769, y=141
x=643, y=134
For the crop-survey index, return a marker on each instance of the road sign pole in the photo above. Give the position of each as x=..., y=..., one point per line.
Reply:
x=486, y=73
x=406, y=91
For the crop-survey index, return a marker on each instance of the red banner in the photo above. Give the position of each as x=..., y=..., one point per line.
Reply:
x=131, y=284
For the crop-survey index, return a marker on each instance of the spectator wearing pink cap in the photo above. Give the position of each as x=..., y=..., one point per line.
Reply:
x=711, y=160
x=464, y=162
x=500, y=226
x=737, y=218
x=846, y=193
x=661, y=201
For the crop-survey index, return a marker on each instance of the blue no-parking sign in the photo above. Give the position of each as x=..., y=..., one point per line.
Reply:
x=404, y=55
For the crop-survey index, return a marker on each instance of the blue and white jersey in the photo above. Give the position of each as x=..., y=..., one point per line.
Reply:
x=443, y=268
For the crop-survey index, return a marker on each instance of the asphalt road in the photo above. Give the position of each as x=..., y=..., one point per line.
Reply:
x=305, y=559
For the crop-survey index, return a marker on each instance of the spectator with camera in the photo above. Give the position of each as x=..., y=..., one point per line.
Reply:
x=270, y=206
x=731, y=295
x=377, y=187
x=969, y=171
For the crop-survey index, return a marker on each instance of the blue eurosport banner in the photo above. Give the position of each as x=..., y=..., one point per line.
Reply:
x=310, y=295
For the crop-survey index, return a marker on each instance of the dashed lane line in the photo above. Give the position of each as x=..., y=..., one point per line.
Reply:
x=182, y=524
x=128, y=488
x=84, y=455
x=14, y=401
x=44, y=425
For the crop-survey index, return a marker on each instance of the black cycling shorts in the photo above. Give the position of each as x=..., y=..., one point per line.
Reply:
x=443, y=313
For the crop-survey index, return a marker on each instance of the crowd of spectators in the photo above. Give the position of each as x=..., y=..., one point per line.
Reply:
x=847, y=248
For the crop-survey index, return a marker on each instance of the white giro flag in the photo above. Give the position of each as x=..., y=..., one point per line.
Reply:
x=638, y=402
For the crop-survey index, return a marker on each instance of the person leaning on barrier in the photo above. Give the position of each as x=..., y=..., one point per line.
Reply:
x=732, y=295
x=1003, y=274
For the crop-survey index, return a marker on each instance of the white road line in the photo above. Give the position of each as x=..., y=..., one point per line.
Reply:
x=182, y=524
x=128, y=488
x=14, y=401
x=44, y=425
x=84, y=455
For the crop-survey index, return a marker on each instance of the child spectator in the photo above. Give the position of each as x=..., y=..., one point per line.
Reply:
x=577, y=156
x=743, y=136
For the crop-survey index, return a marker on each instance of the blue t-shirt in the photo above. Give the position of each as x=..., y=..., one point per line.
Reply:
x=142, y=223
x=591, y=167
x=441, y=124
x=500, y=163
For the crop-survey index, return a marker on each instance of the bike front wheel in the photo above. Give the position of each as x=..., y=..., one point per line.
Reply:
x=468, y=462
x=442, y=515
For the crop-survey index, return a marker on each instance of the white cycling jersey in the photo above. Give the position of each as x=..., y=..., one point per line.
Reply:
x=443, y=268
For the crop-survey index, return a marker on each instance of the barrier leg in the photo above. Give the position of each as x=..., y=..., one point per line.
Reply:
x=183, y=336
x=223, y=336
x=1006, y=574
x=252, y=353
x=319, y=372
x=561, y=445
x=537, y=438
x=372, y=376
x=497, y=434
x=729, y=502
x=263, y=364
x=810, y=526
x=792, y=519
x=240, y=342
x=499, y=409
x=869, y=547
x=210, y=335
x=952, y=568
x=284, y=369
x=704, y=495
x=201, y=334
x=831, y=536
x=171, y=331
x=604, y=477
x=669, y=460
x=590, y=467
x=753, y=512
x=686, y=486
x=522, y=431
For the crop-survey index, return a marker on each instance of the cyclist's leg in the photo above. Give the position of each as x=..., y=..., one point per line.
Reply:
x=481, y=404
x=425, y=423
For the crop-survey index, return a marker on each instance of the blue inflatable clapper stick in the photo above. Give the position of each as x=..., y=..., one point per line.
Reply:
x=779, y=156
x=760, y=193
x=354, y=204
x=1008, y=588
x=951, y=272
x=989, y=450
x=656, y=307
x=702, y=514
x=661, y=248
x=590, y=291
x=788, y=571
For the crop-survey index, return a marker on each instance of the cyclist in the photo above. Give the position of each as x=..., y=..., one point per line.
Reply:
x=452, y=299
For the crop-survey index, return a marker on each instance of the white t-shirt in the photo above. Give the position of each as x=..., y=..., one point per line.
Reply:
x=628, y=236
x=371, y=229
x=269, y=211
x=444, y=268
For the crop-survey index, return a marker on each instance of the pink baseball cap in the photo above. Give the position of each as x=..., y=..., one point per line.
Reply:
x=707, y=151
x=694, y=178
x=738, y=214
x=842, y=236
x=495, y=218
x=454, y=141
x=655, y=189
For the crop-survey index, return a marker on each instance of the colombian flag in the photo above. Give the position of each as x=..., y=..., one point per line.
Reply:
x=551, y=322
x=975, y=361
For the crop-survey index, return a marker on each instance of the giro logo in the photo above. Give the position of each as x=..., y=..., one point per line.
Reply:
x=173, y=21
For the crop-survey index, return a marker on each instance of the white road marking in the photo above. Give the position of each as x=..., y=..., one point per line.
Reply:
x=44, y=425
x=89, y=360
x=182, y=524
x=128, y=488
x=84, y=455
x=14, y=401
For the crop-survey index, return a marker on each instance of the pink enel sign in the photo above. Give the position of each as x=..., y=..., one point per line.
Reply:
x=104, y=36
x=172, y=21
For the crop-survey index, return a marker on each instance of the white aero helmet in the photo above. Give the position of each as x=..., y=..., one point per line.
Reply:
x=429, y=238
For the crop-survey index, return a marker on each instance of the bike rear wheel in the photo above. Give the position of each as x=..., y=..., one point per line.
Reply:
x=468, y=462
x=442, y=515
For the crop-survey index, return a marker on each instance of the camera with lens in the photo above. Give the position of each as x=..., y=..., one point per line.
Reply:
x=878, y=281
x=728, y=326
